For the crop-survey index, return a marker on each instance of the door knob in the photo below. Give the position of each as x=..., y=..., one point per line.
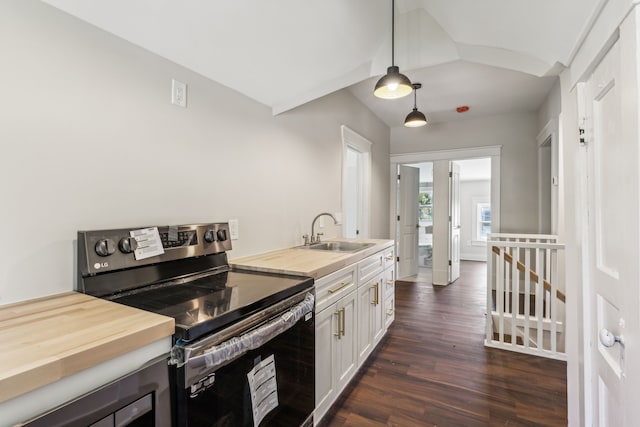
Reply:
x=608, y=339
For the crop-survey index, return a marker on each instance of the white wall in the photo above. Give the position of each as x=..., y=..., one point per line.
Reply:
x=90, y=140
x=518, y=175
x=551, y=106
x=470, y=191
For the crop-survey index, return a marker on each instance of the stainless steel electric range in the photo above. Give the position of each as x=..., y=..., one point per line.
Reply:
x=244, y=344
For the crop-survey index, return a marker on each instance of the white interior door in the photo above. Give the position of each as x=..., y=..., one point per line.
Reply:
x=454, y=221
x=613, y=237
x=407, y=217
x=356, y=184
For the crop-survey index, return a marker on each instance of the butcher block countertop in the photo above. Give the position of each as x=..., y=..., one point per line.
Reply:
x=309, y=262
x=47, y=339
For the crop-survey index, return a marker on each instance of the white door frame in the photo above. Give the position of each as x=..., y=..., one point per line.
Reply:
x=492, y=151
x=454, y=222
x=548, y=136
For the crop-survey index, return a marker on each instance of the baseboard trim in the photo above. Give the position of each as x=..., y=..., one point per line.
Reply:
x=472, y=257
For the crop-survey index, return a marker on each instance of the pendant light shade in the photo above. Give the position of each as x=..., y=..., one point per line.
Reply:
x=394, y=84
x=415, y=118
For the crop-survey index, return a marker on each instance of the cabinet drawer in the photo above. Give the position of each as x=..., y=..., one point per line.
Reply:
x=389, y=282
x=332, y=287
x=370, y=267
x=389, y=256
x=389, y=310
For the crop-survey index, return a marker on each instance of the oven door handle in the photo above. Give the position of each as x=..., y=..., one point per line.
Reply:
x=226, y=351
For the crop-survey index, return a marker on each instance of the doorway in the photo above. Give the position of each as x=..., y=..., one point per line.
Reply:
x=414, y=216
x=479, y=190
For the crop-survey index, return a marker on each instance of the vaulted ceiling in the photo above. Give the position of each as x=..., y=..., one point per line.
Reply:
x=494, y=55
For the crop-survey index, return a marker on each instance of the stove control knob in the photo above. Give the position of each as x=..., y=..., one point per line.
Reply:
x=127, y=245
x=105, y=247
x=209, y=236
x=222, y=235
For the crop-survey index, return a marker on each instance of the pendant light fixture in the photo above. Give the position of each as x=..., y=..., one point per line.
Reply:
x=393, y=84
x=415, y=118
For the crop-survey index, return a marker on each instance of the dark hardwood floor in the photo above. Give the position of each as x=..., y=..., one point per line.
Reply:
x=432, y=368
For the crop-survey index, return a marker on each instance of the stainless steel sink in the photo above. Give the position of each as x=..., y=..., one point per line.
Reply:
x=338, y=246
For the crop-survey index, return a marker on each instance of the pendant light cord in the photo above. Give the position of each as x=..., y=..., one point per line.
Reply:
x=393, y=31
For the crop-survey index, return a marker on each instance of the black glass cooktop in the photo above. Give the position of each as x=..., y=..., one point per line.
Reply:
x=207, y=304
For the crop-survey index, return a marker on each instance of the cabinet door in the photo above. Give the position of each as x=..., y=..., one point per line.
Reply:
x=347, y=355
x=326, y=341
x=377, y=309
x=365, y=301
x=370, y=315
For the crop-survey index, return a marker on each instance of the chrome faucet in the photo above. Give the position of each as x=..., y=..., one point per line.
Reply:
x=315, y=238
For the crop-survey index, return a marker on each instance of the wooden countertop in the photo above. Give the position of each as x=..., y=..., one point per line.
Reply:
x=308, y=262
x=47, y=339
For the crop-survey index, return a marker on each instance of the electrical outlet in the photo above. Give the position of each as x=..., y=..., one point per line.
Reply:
x=178, y=93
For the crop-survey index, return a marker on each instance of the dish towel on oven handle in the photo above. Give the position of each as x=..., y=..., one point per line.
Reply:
x=237, y=346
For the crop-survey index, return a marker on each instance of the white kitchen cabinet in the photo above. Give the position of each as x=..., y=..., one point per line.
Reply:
x=389, y=295
x=336, y=323
x=370, y=303
x=370, y=320
x=352, y=316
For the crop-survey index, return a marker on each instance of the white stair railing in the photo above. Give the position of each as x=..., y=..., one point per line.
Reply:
x=524, y=305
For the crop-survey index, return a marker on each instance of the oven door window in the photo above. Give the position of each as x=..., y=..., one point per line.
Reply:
x=232, y=394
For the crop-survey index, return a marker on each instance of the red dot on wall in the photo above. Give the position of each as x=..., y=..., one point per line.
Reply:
x=462, y=109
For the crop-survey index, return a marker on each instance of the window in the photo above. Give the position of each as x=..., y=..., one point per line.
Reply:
x=483, y=221
x=425, y=207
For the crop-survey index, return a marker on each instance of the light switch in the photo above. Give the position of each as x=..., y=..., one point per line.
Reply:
x=178, y=93
x=338, y=216
x=234, y=229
